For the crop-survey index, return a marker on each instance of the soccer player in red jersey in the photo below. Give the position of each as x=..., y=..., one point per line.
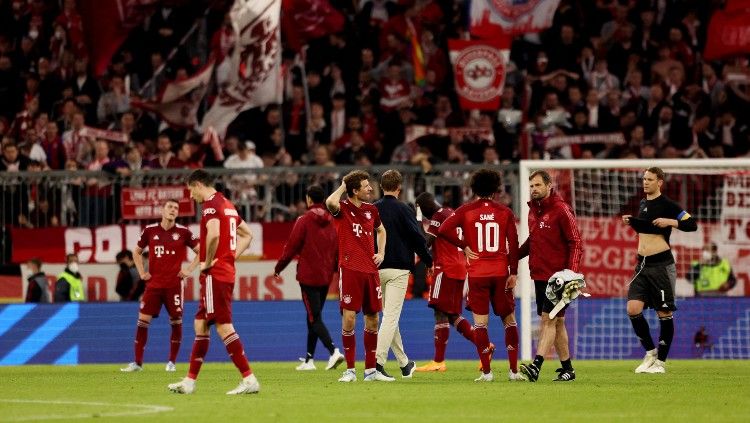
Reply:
x=357, y=221
x=166, y=242
x=446, y=293
x=223, y=237
x=490, y=241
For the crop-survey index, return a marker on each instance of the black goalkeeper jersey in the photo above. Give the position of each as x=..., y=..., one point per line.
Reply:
x=661, y=206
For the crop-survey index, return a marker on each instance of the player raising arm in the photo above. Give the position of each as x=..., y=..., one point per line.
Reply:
x=655, y=274
x=359, y=285
x=224, y=236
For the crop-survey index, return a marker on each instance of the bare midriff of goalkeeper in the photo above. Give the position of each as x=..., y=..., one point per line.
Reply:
x=554, y=244
x=655, y=273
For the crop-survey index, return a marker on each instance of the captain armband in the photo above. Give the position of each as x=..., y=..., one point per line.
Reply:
x=686, y=223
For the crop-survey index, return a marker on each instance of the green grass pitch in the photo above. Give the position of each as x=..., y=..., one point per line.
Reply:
x=605, y=391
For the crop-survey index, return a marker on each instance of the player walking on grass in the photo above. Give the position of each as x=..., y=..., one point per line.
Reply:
x=357, y=221
x=314, y=240
x=446, y=292
x=554, y=244
x=490, y=241
x=166, y=242
x=655, y=274
x=223, y=237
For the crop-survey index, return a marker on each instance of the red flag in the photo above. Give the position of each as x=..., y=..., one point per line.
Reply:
x=304, y=20
x=479, y=69
x=178, y=102
x=737, y=6
x=107, y=24
x=511, y=16
x=728, y=33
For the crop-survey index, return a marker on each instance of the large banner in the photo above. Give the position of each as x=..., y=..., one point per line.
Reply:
x=479, y=70
x=146, y=203
x=255, y=74
x=492, y=17
x=254, y=281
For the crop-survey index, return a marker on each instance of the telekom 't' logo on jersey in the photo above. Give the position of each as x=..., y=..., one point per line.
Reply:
x=159, y=250
x=357, y=229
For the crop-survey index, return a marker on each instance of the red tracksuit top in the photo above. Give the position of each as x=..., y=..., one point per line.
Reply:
x=314, y=239
x=554, y=241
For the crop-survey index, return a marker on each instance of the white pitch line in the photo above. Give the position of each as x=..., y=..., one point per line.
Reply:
x=140, y=409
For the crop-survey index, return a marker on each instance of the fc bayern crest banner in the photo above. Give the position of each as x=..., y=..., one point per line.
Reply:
x=511, y=16
x=479, y=69
x=255, y=75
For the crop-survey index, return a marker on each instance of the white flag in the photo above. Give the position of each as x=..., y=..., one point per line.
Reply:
x=255, y=74
x=178, y=103
x=511, y=16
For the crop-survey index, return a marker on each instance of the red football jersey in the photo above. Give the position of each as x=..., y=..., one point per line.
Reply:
x=448, y=258
x=355, y=227
x=489, y=229
x=218, y=207
x=166, y=252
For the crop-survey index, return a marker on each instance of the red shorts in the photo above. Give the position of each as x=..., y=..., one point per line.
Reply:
x=172, y=298
x=447, y=294
x=359, y=291
x=216, y=301
x=483, y=290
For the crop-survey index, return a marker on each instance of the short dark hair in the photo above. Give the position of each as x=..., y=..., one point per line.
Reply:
x=656, y=171
x=200, y=176
x=70, y=256
x=543, y=174
x=124, y=254
x=426, y=202
x=36, y=261
x=391, y=180
x=172, y=200
x=316, y=194
x=485, y=182
x=353, y=180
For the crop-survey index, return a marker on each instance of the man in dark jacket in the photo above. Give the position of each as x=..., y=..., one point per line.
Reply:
x=405, y=240
x=37, y=292
x=129, y=286
x=314, y=240
x=554, y=244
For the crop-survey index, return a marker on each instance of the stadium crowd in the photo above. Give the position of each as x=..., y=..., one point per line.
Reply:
x=626, y=66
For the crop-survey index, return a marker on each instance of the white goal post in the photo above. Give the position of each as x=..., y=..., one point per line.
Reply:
x=612, y=185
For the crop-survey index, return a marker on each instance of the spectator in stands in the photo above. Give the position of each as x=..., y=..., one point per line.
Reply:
x=114, y=102
x=85, y=89
x=53, y=147
x=69, y=285
x=38, y=288
x=242, y=187
x=337, y=117
x=12, y=160
x=711, y=275
x=129, y=285
x=165, y=158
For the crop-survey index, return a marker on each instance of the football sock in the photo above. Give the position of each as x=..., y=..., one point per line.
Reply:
x=665, y=337
x=175, y=341
x=511, y=344
x=483, y=347
x=237, y=354
x=141, y=336
x=566, y=364
x=538, y=361
x=464, y=328
x=200, y=348
x=371, y=345
x=350, y=347
x=640, y=326
x=442, y=332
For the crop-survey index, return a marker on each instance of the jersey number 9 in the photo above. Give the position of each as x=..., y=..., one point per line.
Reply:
x=233, y=234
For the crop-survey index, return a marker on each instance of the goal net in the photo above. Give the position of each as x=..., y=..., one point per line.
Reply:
x=715, y=192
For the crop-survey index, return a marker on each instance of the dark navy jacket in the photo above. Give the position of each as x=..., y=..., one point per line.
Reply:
x=404, y=236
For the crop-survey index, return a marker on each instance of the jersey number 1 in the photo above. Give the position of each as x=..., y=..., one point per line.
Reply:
x=488, y=237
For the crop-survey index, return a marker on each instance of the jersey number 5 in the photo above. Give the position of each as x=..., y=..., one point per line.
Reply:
x=233, y=234
x=488, y=237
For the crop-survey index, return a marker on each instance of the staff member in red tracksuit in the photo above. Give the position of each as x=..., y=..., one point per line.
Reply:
x=314, y=239
x=554, y=244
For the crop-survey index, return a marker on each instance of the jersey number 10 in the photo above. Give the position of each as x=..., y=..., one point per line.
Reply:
x=488, y=237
